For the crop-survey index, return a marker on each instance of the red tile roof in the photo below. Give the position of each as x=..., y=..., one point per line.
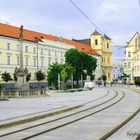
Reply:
x=12, y=31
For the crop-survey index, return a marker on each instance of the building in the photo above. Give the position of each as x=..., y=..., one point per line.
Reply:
x=102, y=44
x=39, y=50
x=132, y=62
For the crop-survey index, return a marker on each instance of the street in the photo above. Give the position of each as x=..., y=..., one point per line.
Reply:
x=99, y=111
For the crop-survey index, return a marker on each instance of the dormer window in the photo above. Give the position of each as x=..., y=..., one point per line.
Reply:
x=96, y=42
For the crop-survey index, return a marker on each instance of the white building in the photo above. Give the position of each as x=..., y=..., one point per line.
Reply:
x=39, y=50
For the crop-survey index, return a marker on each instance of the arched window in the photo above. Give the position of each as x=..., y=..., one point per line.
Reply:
x=96, y=42
x=107, y=45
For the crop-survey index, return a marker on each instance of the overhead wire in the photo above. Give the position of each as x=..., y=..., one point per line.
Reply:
x=89, y=19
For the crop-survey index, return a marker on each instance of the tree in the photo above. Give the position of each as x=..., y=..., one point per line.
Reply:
x=39, y=76
x=80, y=61
x=28, y=77
x=52, y=74
x=66, y=72
x=6, y=76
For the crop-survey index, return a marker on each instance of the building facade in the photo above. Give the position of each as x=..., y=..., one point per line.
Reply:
x=103, y=45
x=132, y=62
x=39, y=50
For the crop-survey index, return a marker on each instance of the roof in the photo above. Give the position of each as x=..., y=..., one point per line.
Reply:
x=85, y=41
x=12, y=31
x=95, y=33
x=106, y=37
x=132, y=39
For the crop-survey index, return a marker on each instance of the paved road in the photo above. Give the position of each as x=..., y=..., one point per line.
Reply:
x=26, y=106
x=89, y=128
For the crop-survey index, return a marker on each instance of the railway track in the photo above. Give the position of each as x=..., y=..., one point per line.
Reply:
x=24, y=134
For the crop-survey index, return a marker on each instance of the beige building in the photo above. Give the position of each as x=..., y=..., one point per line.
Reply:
x=132, y=63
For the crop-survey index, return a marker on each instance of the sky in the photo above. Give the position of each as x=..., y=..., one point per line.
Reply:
x=119, y=19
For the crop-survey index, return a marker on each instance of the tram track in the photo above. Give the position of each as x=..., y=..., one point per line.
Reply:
x=82, y=116
x=115, y=129
x=39, y=116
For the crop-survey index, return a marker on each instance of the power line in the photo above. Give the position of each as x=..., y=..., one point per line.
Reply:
x=90, y=20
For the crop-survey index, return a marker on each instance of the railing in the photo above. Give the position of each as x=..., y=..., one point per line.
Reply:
x=15, y=93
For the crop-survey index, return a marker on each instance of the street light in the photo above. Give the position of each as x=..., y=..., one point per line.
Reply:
x=59, y=84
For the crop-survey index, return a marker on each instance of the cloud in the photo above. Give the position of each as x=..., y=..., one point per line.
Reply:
x=117, y=18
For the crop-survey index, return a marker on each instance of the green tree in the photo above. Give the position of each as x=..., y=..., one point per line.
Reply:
x=66, y=72
x=52, y=74
x=81, y=61
x=6, y=76
x=39, y=76
x=28, y=77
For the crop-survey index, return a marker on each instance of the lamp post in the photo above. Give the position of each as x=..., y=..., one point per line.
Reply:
x=72, y=81
x=59, y=84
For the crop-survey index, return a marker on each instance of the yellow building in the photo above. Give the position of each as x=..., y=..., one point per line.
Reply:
x=132, y=63
x=103, y=45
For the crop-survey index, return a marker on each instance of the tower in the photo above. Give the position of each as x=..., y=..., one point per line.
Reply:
x=103, y=45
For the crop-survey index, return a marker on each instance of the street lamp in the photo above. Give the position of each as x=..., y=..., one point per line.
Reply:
x=72, y=80
x=59, y=84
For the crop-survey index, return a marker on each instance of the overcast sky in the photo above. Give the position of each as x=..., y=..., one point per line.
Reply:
x=119, y=19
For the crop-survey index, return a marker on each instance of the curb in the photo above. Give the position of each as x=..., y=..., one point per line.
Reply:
x=37, y=117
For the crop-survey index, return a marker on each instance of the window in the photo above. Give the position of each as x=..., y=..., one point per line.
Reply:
x=107, y=45
x=18, y=47
x=62, y=61
x=18, y=60
x=49, y=62
x=125, y=65
x=137, y=57
x=135, y=68
x=129, y=65
x=8, y=60
x=49, y=52
x=8, y=46
x=42, y=62
x=55, y=53
x=96, y=42
x=61, y=54
x=41, y=51
x=34, y=50
x=138, y=68
x=26, y=61
x=26, y=49
x=34, y=62
x=129, y=54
